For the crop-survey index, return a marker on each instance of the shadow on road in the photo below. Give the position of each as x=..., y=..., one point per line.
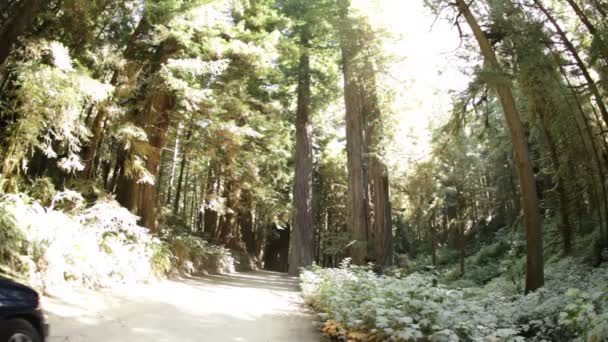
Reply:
x=252, y=307
x=261, y=280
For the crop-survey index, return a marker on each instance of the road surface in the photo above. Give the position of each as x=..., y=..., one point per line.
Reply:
x=251, y=307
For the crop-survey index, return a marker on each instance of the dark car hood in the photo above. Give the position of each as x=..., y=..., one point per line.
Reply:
x=16, y=295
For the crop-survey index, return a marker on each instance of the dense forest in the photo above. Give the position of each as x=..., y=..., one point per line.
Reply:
x=143, y=138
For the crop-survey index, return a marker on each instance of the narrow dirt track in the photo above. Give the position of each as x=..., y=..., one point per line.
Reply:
x=252, y=307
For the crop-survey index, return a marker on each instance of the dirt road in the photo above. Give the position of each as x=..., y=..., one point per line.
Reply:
x=252, y=307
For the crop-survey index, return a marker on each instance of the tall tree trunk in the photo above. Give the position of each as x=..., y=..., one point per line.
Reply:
x=358, y=213
x=226, y=234
x=164, y=103
x=91, y=149
x=245, y=221
x=211, y=190
x=16, y=26
x=97, y=129
x=433, y=227
x=161, y=176
x=584, y=122
x=155, y=119
x=380, y=226
x=461, y=246
x=532, y=218
x=301, y=252
x=578, y=60
x=186, y=185
x=127, y=191
x=565, y=227
x=174, y=164
x=180, y=179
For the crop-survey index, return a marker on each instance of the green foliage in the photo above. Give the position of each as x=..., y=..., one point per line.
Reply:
x=584, y=314
x=101, y=245
x=51, y=94
x=406, y=309
x=193, y=255
x=411, y=308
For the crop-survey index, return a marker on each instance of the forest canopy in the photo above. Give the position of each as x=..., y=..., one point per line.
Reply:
x=413, y=147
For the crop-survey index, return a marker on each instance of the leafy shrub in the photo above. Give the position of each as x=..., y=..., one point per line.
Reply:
x=101, y=245
x=193, y=255
x=412, y=309
x=98, y=246
x=389, y=308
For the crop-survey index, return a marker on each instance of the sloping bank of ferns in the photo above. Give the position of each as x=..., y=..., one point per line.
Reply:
x=68, y=243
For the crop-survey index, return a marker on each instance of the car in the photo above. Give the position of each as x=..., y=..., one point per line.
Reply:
x=21, y=318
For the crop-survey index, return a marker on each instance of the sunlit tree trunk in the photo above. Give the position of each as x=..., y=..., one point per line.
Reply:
x=97, y=128
x=155, y=118
x=148, y=208
x=301, y=252
x=358, y=217
x=532, y=218
x=176, y=148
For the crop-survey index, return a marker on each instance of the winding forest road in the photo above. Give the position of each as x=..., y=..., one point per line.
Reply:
x=251, y=307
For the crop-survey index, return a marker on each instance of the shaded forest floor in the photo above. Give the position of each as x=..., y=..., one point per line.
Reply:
x=260, y=306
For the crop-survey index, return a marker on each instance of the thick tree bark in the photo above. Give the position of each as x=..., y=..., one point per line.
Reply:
x=155, y=119
x=226, y=229
x=359, y=211
x=210, y=216
x=164, y=102
x=245, y=222
x=380, y=235
x=532, y=218
x=18, y=25
x=301, y=253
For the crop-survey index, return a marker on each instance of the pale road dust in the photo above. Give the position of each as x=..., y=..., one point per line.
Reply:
x=243, y=307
